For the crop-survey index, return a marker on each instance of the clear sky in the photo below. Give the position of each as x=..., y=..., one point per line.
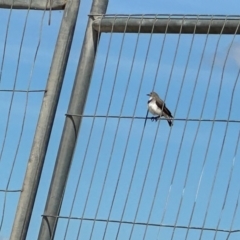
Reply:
x=136, y=177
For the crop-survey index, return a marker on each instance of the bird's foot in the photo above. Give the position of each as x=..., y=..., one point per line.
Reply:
x=155, y=118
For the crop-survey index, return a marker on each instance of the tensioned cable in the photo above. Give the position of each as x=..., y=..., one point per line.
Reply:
x=149, y=118
x=15, y=190
x=21, y=91
x=143, y=223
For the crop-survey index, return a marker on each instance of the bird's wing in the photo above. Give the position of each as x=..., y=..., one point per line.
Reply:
x=162, y=105
x=166, y=110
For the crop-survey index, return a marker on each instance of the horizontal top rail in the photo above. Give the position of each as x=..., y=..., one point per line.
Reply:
x=168, y=24
x=33, y=4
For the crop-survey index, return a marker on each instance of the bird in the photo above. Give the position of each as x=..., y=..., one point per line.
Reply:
x=156, y=106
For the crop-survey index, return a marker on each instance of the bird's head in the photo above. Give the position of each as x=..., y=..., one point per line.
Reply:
x=152, y=94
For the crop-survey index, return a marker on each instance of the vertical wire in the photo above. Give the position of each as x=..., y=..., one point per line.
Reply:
x=3, y=58
x=5, y=135
x=88, y=141
x=155, y=137
x=103, y=129
x=194, y=88
x=170, y=77
x=26, y=103
x=130, y=130
x=196, y=134
x=104, y=126
x=177, y=160
x=238, y=196
x=139, y=148
x=115, y=135
x=103, y=132
x=226, y=128
x=175, y=108
x=218, y=163
x=225, y=198
x=1, y=69
x=8, y=118
x=166, y=89
x=183, y=135
x=191, y=152
x=5, y=42
x=186, y=177
x=89, y=138
x=128, y=137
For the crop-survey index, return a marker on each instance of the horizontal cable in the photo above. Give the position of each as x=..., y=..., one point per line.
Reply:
x=141, y=223
x=135, y=117
x=14, y=90
x=18, y=190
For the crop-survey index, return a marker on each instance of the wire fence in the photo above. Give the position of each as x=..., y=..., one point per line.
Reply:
x=131, y=182
x=127, y=181
x=24, y=65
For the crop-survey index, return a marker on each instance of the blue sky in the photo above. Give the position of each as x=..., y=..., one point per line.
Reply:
x=137, y=153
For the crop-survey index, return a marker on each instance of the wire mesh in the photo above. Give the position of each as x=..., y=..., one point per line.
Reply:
x=131, y=182
x=26, y=48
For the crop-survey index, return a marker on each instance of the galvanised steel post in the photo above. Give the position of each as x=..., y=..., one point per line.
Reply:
x=45, y=121
x=71, y=126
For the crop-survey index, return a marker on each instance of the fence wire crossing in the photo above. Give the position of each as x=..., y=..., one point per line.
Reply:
x=158, y=182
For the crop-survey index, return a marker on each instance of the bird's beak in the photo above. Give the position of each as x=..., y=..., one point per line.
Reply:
x=148, y=95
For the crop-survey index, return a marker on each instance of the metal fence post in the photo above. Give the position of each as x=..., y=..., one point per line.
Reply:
x=45, y=122
x=71, y=126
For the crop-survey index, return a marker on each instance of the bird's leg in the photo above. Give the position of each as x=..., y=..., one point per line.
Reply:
x=155, y=118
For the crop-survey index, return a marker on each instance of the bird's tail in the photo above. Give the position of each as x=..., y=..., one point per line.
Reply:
x=170, y=123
